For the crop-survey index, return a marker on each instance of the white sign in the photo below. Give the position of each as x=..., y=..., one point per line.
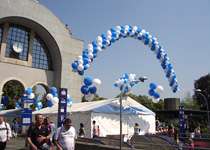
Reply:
x=26, y=120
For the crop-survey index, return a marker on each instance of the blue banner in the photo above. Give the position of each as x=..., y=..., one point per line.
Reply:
x=181, y=121
x=62, y=106
x=26, y=116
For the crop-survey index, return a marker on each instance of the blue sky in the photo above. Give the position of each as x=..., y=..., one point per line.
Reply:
x=181, y=27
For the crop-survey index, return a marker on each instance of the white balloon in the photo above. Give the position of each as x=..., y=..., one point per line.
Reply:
x=159, y=89
x=55, y=100
x=90, y=55
x=109, y=38
x=80, y=61
x=79, y=57
x=109, y=33
x=99, y=50
x=88, y=65
x=68, y=95
x=80, y=67
x=89, y=46
x=155, y=100
x=99, y=45
x=99, y=39
x=90, y=50
x=39, y=103
x=96, y=82
x=31, y=96
x=49, y=96
x=36, y=108
x=118, y=28
x=89, y=97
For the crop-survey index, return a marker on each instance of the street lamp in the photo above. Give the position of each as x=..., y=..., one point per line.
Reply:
x=141, y=79
x=199, y=91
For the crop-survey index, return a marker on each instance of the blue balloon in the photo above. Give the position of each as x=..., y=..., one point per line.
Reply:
x=85, y=89
x=151, y=92
x=121, y=87
x=93, y=89
x=126, y=75
x=49, y=103
x=85, y=61
x=156, y=95
x=69, y=100
x=116, y=85
x=55, y=95
x=153, y=86
x=37, y=100
x=85, y=55
x=85, y=51
x=88, y=81
x=94, y=43
x=53, y=90
x=80, y=72
x=74, y=65
x=85, y=67
x=104, y=41
x=28, y=91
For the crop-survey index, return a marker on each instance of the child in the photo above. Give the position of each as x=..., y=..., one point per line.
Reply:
x=190, y=144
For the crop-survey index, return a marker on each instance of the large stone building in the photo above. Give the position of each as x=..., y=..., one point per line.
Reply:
x=37, y=48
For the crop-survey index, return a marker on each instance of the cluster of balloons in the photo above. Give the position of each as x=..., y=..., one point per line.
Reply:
x=155, y=92
x=90, y=87
x=114, y=34
x=69, y=101
x=52, y=97
x=38, y=104
x=4, y=100
x=17, y=106
x=123, y=80
x=29, y=93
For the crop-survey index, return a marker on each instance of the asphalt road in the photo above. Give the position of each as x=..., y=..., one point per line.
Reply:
x=16, y=143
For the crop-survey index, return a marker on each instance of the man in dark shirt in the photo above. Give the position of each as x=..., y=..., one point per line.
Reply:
x=38, y=134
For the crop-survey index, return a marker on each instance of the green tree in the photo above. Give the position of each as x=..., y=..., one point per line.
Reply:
x=44, y=100
x=203, y=83
x=14, y=90
x=36, y=95
x=189, y=103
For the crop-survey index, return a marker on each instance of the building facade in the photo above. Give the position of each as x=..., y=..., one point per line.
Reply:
x=37, y=48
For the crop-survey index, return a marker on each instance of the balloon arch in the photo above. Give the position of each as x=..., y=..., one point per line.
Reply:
x=113, y=35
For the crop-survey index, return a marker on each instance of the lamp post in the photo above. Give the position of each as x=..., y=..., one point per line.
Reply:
x=141, y=79
x=199, y=91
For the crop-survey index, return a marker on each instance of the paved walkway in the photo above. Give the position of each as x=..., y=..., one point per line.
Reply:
x=16, y=143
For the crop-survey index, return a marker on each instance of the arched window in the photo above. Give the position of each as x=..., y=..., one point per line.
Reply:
x=17, y=42
x=41, y=57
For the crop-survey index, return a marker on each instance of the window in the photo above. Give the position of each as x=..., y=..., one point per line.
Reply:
x=41, y=56
x=21, y=35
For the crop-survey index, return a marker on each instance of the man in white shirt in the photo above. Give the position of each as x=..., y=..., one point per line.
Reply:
x=65, y=136
x=5, y=133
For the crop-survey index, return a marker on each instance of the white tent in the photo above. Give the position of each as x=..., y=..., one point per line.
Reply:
x=106, y=114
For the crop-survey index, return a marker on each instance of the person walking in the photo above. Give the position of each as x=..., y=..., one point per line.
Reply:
x=52, y=125
x=136, y=129
x=82, y=131
x=95, y=129
x=5, y=133
x=38, y=134
x=47, y=125
x=16, y=127
x=65, y=136
x=198, y=131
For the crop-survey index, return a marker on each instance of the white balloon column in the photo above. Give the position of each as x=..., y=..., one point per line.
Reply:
x=123, y=80
x=90, y=87
x=155, y=92
x=114, y=34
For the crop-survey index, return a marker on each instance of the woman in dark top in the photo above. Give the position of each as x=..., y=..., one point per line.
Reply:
x=82, y=131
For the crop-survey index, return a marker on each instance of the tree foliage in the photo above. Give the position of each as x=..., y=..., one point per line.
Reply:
x=14, y=90
x=189, y=103
x=203, y=83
